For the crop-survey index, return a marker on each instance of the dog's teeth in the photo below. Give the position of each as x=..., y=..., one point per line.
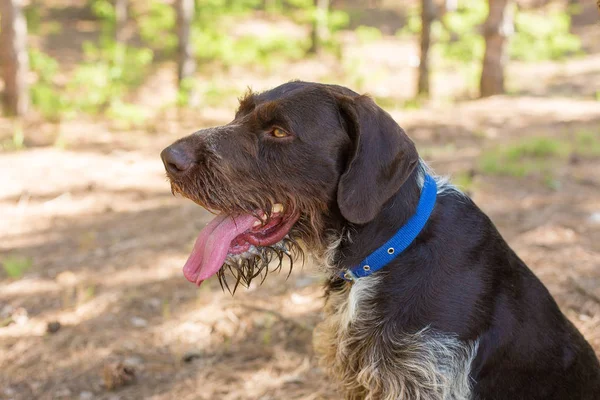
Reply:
x=257, y=223
x=277, y=208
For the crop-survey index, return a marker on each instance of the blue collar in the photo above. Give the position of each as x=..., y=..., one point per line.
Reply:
x=401, y=240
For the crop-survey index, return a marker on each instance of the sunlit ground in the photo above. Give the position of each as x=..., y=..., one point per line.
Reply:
x=91, y=237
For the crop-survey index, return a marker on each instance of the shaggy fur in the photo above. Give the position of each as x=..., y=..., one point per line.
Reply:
x=456, y=315
x=373, y=363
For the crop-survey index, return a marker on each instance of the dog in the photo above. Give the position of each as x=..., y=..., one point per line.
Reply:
x=448, y=311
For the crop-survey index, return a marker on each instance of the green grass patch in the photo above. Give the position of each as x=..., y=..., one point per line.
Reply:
x=387, y=102
x=463, y=180
x=539, y=147
x=367, y=34
x=17, y=140
x=529, y=156
x=538, y=155
x=413, y=104
x=587, y=143
x=16, y=266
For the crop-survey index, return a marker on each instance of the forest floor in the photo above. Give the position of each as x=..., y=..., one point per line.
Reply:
x=98, y=242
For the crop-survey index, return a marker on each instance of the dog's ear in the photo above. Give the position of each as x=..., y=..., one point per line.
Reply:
x=380, y=159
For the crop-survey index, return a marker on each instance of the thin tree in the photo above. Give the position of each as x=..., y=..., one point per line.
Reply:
x=120, y=20
x=186, y=65
x=498, y=26
x=14, y=57
x=427, y=18
x=320, y=30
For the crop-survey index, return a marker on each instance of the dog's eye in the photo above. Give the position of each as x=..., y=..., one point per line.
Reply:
x=279, y=133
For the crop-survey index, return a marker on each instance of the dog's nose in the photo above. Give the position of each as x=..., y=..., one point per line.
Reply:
x=176, y=159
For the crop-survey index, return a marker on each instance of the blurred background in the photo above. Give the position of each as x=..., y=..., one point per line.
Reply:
x=502, y=95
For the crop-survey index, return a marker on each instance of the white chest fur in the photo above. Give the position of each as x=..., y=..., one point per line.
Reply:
x=372, y=360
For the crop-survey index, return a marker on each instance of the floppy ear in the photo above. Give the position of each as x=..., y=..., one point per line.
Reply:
x=381, y=158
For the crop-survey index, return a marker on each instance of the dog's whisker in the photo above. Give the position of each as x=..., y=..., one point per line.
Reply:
x=258, y=262
x=237, y=282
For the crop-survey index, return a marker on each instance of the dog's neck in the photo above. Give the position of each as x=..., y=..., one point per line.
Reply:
x=394, y=214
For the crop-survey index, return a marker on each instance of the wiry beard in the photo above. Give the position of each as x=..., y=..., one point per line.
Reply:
x=245, y=270
x=212, y=189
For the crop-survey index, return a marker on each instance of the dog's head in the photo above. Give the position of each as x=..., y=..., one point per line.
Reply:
x=296, y=162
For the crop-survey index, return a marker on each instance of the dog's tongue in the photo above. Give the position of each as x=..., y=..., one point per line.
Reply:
x=212, y=245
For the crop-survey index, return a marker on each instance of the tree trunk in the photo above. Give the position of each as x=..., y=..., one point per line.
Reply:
x=427, y=17
x=120, y=20
x=498, y=26
x=13, y=57
x=186, y=63
x=320, y=31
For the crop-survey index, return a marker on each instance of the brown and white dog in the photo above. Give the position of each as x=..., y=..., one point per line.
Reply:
x=456, y=315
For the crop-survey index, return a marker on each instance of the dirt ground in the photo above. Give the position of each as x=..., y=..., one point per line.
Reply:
x=106, y=241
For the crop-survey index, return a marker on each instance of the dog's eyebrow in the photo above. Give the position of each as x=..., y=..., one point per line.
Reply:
x=247, y=102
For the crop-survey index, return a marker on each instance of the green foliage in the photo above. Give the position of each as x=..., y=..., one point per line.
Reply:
x=159, y=17
x=337, y=20
x=186, y=88
x=127, y=115
x=551, y=182
x=386, y=102
x=304, y=4
x=33, y=19
x=463, y=180
x=212, y=12
x=538, y=155
x=367, y=34
x=98, y=84
x=43, y=65
x=108, y=71
x=539, y=35
x=213, y=42
x=458, y=38
x=103, y=9
x=587, y=143
x=213, y=94
x=540, y=147
x=413, y=103
x=213, y=45
x=543, y=36
x=455, y=38
x=16, y=266
x=353, y=68
x=413, y=23
x=17, y=141
x=533, y=155
x=45, y=95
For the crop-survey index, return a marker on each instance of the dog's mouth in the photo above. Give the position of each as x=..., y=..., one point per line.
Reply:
x=235, y=236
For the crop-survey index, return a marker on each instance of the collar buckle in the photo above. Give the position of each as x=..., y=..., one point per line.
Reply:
x=401, y=239
x=349, y=276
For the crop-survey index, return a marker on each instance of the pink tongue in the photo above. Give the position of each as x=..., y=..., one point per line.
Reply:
x=210, y=249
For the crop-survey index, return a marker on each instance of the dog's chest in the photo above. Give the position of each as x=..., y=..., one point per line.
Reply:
x=373, y=361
